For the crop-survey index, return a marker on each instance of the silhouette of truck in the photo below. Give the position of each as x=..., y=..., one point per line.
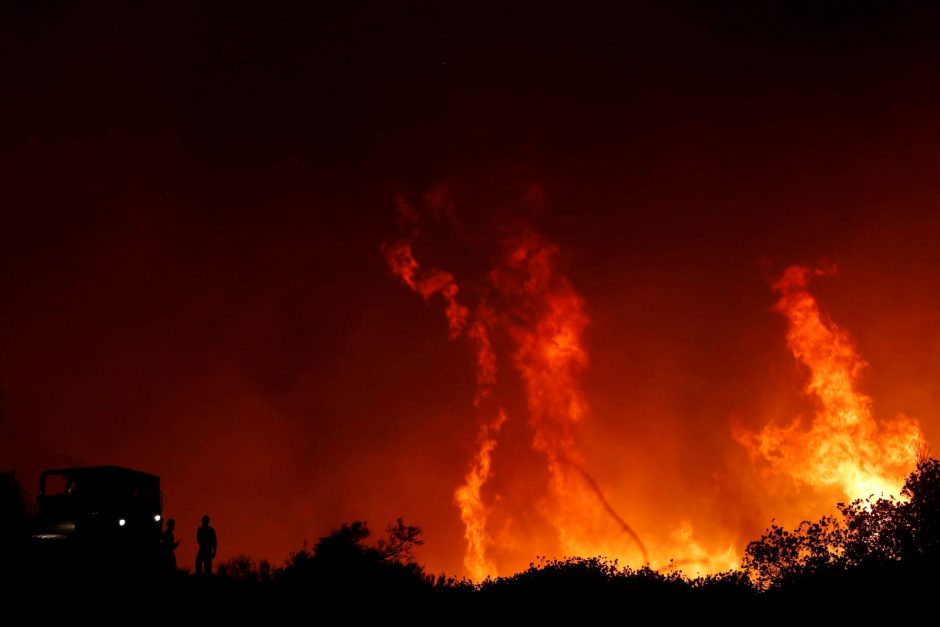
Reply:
x=99, y=507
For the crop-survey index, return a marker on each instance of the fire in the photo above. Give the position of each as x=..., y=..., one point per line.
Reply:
x=473, y=510
x=844, y=447
x=547, y=322
x=545, y=318
x=695, y=557
x=531, y=310
x=469, y=498
x=479, y=333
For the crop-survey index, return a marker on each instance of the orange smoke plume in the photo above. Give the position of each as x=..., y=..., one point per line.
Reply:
x=427, y=283
x=547, y=323
x=479, y=333
x=844, y=447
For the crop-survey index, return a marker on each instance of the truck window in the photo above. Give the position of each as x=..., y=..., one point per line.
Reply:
x=56, y=485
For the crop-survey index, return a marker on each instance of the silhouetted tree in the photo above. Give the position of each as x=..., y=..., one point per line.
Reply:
x=343, y=562
x=877, y=531
x=781, y=556
x=12, y=505
x=399, y=543
x=890, y=530
x=871, y=534
x=923, y=508
x=345, y=543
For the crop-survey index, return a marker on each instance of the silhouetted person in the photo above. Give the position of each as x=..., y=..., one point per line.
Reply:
x=205, y=538
x=169, y=544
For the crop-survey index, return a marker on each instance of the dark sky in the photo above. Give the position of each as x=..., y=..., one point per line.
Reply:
x=193, y=196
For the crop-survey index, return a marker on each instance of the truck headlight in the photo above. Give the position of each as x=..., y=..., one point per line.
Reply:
x=157, y=518
x=122, y=522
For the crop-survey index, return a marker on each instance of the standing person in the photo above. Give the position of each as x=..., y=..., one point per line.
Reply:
x=205, y=538
x=169, y=545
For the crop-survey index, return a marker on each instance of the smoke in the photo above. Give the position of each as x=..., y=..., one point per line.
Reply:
x=427, y=283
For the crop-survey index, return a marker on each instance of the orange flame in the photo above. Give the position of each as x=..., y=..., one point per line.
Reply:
x=844, y=446
x=546, y=319
x=547, y=324
x=469, y=498
x=473, y=510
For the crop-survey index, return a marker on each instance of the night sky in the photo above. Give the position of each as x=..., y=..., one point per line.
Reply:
x=194, y=196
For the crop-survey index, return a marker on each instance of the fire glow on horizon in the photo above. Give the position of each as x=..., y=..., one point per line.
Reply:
x=545, y=317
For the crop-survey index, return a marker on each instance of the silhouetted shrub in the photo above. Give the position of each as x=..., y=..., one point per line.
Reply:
x=242, y=569
x=342, y=562
x=885, y=549
x=871, y=536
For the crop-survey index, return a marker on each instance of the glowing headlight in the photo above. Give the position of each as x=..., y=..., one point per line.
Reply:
x=122, y=522
x=156, y=518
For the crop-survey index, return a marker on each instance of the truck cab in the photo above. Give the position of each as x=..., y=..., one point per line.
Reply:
x=99, y=506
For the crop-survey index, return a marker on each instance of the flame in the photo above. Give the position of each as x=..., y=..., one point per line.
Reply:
x=844, y=446
x=546, y=319
x=696, y=558
x=473, y=510
x=547, y=322
x=541, y=318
